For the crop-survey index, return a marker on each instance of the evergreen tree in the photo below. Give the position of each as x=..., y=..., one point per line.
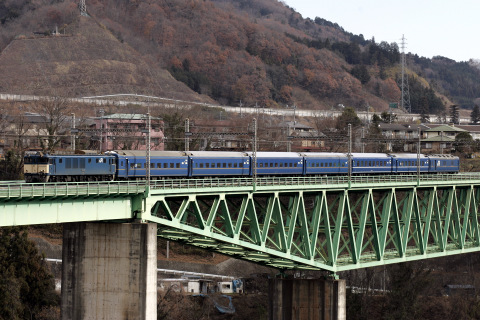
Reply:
x=475, y=115
x=424, y=110
x=388, y=117
x=26, y=286
x=454, y=114
x=348, y=116
x=361, y=73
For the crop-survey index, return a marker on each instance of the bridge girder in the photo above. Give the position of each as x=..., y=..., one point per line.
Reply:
x=324, y=229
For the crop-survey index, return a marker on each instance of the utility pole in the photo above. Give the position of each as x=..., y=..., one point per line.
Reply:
x=73, y=132
x=363, y=137
x=254, y=156
x=148, y=149
x=349, y=154
x=101, y=128
x=418, y=157
x=187, y=135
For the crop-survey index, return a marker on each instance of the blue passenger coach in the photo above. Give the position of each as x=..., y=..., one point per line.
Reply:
x=443, y=163
x=371, y=163
x=325, y=163
x=278, y=163
x=133, y=164
x=407, y=163
x=205, y=163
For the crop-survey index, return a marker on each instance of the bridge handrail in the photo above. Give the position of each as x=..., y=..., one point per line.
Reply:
x=301, y=181
x=24, y=190
x=18, y=190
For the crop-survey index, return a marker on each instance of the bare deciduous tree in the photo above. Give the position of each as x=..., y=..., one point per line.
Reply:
x=54, y=112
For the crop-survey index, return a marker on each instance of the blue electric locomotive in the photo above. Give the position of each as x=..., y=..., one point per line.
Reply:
x=132, y=165
x=65, y=168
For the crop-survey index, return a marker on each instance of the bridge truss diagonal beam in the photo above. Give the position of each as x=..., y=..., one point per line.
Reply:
x=324, y=229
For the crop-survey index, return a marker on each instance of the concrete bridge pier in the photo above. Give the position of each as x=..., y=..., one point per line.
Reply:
x=109, y=271
x=307, y=299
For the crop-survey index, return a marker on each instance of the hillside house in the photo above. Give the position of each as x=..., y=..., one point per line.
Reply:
x=220, y=135
x=127, y=131
x=298, y=137
x=440, y=139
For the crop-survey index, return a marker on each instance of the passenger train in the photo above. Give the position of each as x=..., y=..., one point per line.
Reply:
x=131, y=165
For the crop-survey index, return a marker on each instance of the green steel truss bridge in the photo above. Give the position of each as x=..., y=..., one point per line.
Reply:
x=314, y=223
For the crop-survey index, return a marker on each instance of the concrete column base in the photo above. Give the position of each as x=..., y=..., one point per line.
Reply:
x=307, y=299
x=109, y=271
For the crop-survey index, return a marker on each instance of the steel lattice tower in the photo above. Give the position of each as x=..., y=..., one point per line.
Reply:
x=405, y=99
x=83, y=8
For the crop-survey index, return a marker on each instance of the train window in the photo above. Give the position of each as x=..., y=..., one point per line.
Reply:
x=165, y=165
x=201, y=165
x=224, y=165
x=290, y=165
x=376, y=164
x=219, y=165
x=235, y=165
x=177, y=165
x=207, y=165
x=295, y=165
x=172, y=165
x=152, y=165
x=132, y=165
x=240, y=165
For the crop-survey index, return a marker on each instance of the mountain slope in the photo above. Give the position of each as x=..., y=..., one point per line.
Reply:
x=88, y=60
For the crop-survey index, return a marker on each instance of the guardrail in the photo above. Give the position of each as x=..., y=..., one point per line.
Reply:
x=355, y=181
x=24, y=190
x=18, y=190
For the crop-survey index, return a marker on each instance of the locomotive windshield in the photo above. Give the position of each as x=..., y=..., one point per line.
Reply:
x=35, y=160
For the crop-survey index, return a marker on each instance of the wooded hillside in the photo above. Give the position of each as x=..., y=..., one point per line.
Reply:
x=254, y=52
